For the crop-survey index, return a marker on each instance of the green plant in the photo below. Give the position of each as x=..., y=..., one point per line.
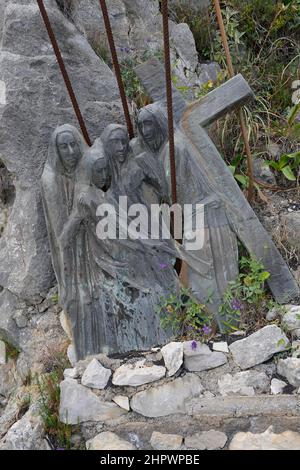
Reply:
x=244, y=295
x=11, y=351
x=185, y=316
x=58, y=433
x=287, y=164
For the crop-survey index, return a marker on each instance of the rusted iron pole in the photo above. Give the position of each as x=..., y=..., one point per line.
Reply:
x=116, y=66
x=64, y=71
x=241, y=112
x=165, y=15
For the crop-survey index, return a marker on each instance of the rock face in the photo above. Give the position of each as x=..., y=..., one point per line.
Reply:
x=198, y=357
x=26, y=434
x=288, y=440
x=244, y=383
x=137, y=374
x=78, y=404
x=290, y=369
x=167, y=399
x=161, y=441
x=95, y=375
x=34, y=101
x=173, y=357
x=108, y=441
x=258, y=347
x=207, y=440
x=2, y=352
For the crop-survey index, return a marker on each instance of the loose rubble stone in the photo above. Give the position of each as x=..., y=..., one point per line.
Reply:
x=291, y=223
x=277, y=386
x=2, y=352
x=291, y=319
x=108, y=441
x=122, y=401
x=161, y=441
x=206, y=440
x=173, y=357
x=290, y=369
x=95, y=375
x=221, y=347
x=27, y=433
x=258, y=347
x=71, y=373
x=137, y=374
x=79, y=404
x=244, y=383
x=167, y=399
x=287, y=440
x=198, y=357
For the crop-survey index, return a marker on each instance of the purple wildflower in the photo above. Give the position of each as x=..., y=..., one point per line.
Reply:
x=236, y=304
x=163, y=265
x=206, y=330
x=194, y=345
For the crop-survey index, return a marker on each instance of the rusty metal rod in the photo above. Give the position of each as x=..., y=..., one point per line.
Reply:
x=241, y=112
x=165, y=16
x=64, y=71
x=116, y=67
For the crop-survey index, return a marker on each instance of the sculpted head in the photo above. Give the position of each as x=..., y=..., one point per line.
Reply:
x=100, y=176
x=68, y=150
x=152, y=127
x=116, y=143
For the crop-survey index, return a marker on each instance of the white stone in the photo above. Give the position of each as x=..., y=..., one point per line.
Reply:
x=65, y=324
x=167, y=399
x=221, y=347
x=173, y=357
x=71, y=354
x=2, y=93
x=137, y=374
x=2, y=352
x=291, y=319
x=161, y=441
x=290, y=369
x=243, y=383
x=108, y=441
x=199, y=358
x=277, y=386
x=71, y=373
x=95, y=375
x=79, y=404
x=122, y=401
x=288, y=440
x=206, y=440
x=258, y=347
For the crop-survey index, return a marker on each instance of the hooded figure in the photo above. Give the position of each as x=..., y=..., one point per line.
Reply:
x=207, y=270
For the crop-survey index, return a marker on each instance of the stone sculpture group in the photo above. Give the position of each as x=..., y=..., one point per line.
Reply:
x=110, y=288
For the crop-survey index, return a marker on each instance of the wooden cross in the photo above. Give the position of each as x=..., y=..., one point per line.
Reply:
x=193, y=119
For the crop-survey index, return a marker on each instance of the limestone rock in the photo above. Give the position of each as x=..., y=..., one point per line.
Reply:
x=277, y=386
x=2, y=352
x=108, y=441
x=65, y=324
x=258, y=347
x=198, y=357
x=79, y=404
x=26, y=434
x=71, y=354
x=287, y=440
x=71, y=373
x=95, y=375
x=244, y=383
x=167, y=399
x=184, y=44
x=122, y=401
x=263, y=172
x=290, y=369
x=137, y=374
x=173, y=357
x=206, y=440
x=221, y=347
x=291, y=224
x=161, y=441
x=9, y=379
x=291, y=319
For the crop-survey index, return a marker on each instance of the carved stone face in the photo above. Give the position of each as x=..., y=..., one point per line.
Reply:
x=68, y=150
x=118, y=145
x=100, y=174
x=150, y=131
